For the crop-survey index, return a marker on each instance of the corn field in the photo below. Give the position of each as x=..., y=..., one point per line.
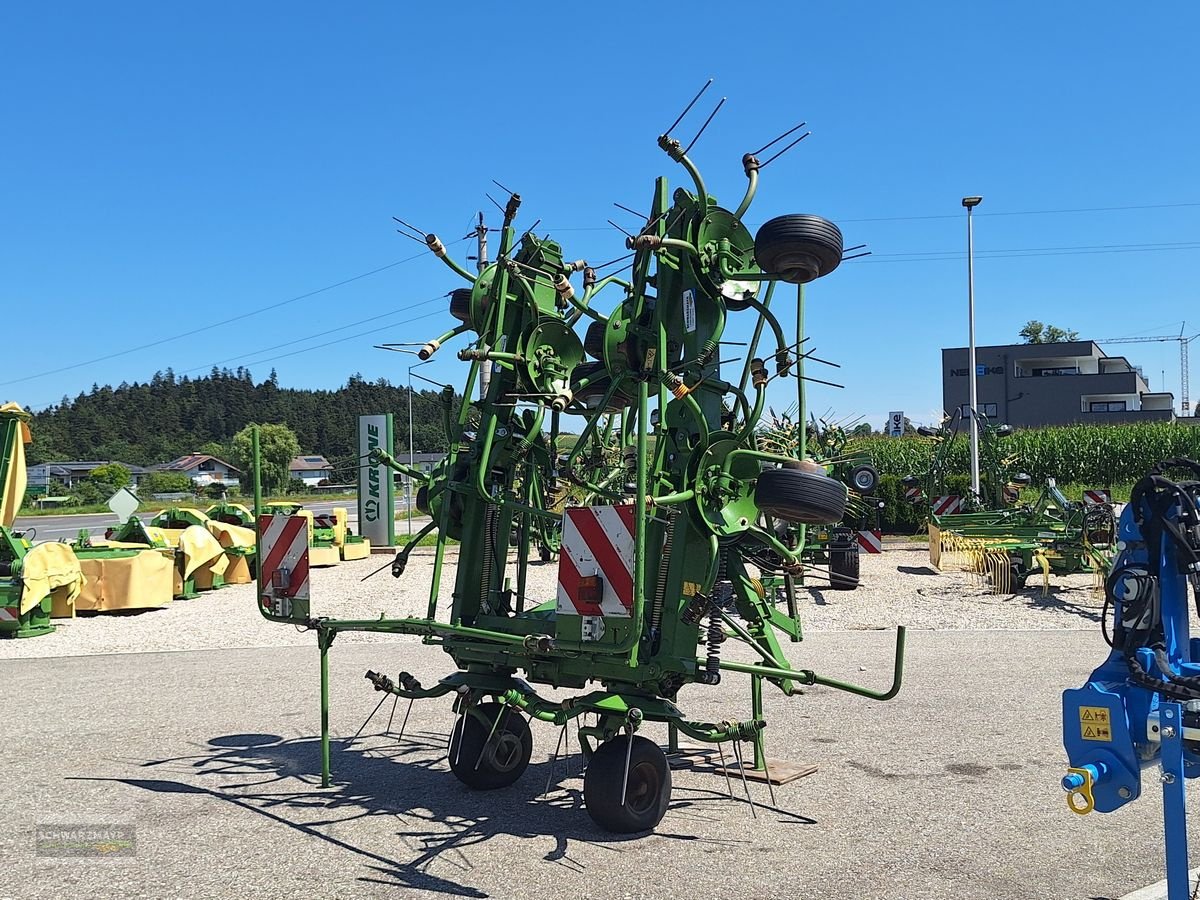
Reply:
x=1095, y=455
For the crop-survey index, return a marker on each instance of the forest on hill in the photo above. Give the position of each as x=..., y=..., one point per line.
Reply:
x=169, y=416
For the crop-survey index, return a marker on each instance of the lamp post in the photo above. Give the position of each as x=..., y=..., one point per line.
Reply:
x=408, y=478
x=970, y=203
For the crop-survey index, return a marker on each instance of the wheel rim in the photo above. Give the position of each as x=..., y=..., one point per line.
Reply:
x=506, y=752
x=863, y=480
x=643, y=788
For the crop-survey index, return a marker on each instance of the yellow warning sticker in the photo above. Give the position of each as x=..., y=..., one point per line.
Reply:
x=690, y=588
x=1094, y=724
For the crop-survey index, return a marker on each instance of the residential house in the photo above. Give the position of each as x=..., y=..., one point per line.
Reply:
x=312, y=470
x=203, y=469
x=71, y=474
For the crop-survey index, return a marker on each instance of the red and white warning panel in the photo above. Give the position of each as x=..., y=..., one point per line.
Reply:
x=1096, y=497
x=283, y=585
x=595, y=565
x=870, y=541
x=913, y=494
x=947, y=504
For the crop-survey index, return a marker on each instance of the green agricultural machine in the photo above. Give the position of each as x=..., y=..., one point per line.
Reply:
x=39, y=582
x=1052, y=535
x=679, y=497
x=999, y=482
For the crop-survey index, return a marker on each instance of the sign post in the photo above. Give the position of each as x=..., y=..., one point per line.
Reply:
x=376, y=491
x=896, y=424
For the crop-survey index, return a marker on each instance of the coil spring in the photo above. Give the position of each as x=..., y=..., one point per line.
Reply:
x=663, y=571
x=715, y=637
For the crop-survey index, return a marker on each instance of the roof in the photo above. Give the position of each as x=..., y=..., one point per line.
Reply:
x=309, y=464
x=191, y=461
x=86, y=465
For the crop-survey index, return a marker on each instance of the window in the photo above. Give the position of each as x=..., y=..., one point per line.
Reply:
x=1055, y=370
x=1107, y=406
x=989, y=410
x=206, y=466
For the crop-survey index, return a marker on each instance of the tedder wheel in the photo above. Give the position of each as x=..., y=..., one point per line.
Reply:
x=798, y=249
x=797, y=496
x=505, y=756
x=647, y=792
x=1017, y=576
x=843, y=568
x=864, y=479
x=460, y=304
x=421, y=501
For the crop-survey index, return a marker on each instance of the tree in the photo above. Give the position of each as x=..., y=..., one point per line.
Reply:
x=862, y=429
x=113, y=475
x=1035, y=332
x=165, y=483
x=221, y=451
x=278, y=446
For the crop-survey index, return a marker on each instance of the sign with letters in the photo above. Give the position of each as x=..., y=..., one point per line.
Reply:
x=376, y=491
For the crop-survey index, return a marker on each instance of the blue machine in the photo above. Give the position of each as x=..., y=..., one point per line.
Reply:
x=1141, y=707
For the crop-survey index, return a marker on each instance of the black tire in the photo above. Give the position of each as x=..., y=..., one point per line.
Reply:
x=647, y=792
x=460, y=304
x=596, y=389
x=1017, y=578
x=843, y=568
x=593, y=340
x=864, y=479
x=421, y=502
x=798, y=249
x=544, y=553
x=797, y=496
x=506, y=755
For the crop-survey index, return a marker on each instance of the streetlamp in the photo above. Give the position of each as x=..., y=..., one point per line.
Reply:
x=411, y=455
x=970, y=203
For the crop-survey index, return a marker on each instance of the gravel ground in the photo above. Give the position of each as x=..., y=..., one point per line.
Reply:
x=898, y=587
x=948, y=792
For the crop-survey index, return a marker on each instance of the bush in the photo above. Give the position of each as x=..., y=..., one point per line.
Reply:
x=296, y=486
x=165, y=483
x=113, y=474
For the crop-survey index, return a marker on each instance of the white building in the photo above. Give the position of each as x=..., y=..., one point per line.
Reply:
x=203, y=469
x=312, y=470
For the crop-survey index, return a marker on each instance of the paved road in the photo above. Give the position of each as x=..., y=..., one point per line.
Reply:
x=54, y=528
x=949, y=792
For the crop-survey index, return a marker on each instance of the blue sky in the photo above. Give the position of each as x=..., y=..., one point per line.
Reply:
x=170, y=166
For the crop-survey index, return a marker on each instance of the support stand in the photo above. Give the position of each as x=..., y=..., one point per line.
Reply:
x=1174, y=801
x=324, y=639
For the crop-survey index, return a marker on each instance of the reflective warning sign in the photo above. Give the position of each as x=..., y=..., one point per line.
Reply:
x=1094, y=724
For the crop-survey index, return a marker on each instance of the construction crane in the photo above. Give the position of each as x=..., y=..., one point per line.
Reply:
x=1185, y=404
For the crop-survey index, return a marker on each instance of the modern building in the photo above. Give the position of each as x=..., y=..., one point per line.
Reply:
x=203, y=469
x=72, y=473
x=312, y=470
x=1052, y=384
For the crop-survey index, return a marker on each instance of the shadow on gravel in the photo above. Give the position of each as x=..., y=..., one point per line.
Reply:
x=917, y=570
x=1060, y=600
x=409, y=781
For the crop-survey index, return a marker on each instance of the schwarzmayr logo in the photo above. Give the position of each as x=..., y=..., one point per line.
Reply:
x=85, y=840
x=979, y=370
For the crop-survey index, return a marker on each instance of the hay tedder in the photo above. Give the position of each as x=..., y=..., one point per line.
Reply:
x=1004, y=547
x=662, y=499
